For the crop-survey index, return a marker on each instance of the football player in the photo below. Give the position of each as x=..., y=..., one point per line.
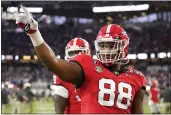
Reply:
x=66, y=98
x=154, y=97
x=105, y=85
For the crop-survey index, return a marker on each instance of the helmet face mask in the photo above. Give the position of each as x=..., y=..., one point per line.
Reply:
x=110, y=51
x=111, y=48
x=76, y=46
x=71, y=53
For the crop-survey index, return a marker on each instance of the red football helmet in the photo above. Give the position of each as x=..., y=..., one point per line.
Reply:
x=154, y=83
x=75, y=46
x=111, y=45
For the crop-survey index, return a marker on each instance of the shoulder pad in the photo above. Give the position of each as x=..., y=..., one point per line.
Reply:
x=136, y=72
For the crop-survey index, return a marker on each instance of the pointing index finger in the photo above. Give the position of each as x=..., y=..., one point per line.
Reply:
x=25, y=10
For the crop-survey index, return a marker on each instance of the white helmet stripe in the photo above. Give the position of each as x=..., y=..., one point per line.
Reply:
x=108, y=29
x=75, y=42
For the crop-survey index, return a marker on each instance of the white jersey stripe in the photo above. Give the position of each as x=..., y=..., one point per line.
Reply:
x=61, y=91
x=108, y=29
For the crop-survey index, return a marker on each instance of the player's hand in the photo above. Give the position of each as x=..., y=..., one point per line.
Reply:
x=26, y=21
x=30, y=26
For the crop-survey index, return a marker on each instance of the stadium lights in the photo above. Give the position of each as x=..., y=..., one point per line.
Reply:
x=26, y=57
x=16, y=57
x=132, y=56
x=33, y=9
x=9, y=57
x=2, y=57
x=161, y=55
x=152, y=55
x=35, y=57
x=168, y=54
x=12, y=9
x=120, y=8
x=142, y=56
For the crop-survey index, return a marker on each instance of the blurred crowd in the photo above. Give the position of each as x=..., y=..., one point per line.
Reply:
x=17, y=73
x=144, y=38
x=22, y=85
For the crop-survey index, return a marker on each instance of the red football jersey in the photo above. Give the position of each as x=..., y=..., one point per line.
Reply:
x=103, y=92
x=74, y=101
x=154, y=94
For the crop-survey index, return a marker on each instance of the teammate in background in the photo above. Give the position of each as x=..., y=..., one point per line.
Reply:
x=154, y=97
x=66, y=98
x=105, y=85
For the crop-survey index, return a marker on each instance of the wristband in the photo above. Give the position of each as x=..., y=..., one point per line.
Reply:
x=36, y=38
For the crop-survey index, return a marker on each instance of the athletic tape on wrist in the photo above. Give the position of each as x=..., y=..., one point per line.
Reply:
x=36, y=38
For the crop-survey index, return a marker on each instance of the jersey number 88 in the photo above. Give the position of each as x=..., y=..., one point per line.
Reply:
x=111, y=92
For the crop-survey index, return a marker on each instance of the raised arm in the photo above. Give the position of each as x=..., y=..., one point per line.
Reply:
x=70, y=72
